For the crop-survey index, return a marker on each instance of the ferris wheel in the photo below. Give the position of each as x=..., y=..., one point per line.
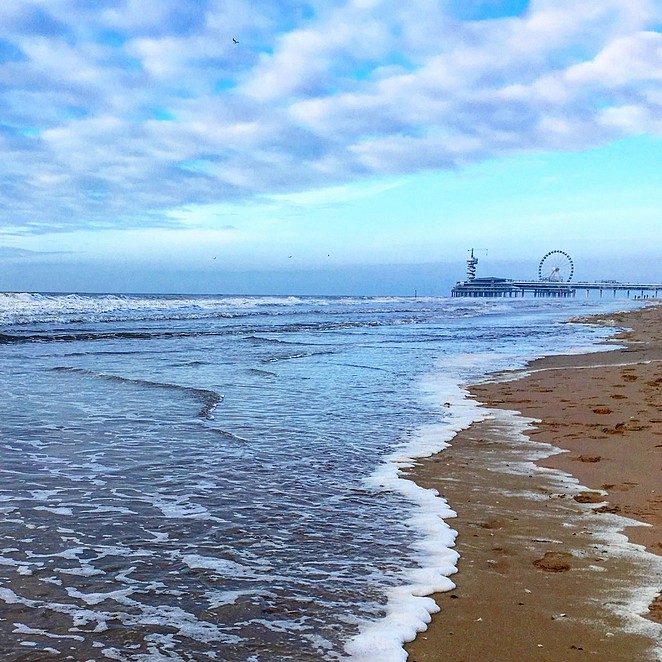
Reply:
x=556, y=267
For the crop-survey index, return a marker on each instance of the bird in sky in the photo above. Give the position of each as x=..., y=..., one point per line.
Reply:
x=234, y=41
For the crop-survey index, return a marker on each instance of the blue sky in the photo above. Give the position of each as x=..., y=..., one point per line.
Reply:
x=357, y=146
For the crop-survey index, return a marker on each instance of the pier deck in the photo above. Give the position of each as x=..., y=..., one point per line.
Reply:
x=503, y=287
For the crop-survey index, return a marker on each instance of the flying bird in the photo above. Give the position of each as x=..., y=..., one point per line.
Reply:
x=234, y=41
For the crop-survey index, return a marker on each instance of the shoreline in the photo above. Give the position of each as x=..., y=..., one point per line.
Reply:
x=546, y=489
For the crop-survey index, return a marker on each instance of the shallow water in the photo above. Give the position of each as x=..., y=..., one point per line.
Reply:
x=195, y=478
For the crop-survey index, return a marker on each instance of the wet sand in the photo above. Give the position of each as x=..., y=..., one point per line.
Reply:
x=546, y=570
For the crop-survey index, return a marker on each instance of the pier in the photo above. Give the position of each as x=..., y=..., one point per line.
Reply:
x=555, y=273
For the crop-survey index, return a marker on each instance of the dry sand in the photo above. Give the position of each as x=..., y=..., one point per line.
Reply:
x=546, y=572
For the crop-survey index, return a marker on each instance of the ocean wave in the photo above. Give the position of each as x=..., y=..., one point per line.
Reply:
x=25, y=307
x=210, y=399
x=298, y=355
x=20, y=308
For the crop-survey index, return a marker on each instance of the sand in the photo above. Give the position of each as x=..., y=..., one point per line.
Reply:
x=560, y=551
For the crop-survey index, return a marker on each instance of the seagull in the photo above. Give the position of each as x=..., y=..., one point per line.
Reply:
x=234, y=41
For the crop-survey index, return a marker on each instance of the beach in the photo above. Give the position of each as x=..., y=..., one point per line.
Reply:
x=559, y=514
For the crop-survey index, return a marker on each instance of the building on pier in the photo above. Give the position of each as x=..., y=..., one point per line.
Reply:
x=486, y=287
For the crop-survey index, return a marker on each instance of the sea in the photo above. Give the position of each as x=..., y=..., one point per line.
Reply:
x=221, y=477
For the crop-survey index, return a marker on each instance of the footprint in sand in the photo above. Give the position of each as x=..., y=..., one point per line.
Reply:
x=619, y=487
x=619, y=428
x=554, y=562
x=589, y=458
x=498, y=565
x=588, y=497
x=602, y=410
x=655, y=609
x=491, y=524
x=607, y=509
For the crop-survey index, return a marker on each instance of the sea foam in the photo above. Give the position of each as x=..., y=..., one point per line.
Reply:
x=408, y=607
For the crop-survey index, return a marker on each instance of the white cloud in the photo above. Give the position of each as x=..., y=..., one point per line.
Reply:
x=625, y=60
x=630, y=119
x=335, y=194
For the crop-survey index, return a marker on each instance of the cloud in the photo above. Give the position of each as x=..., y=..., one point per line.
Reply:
x=9, y=252
x=112, y=114
x=335, y=195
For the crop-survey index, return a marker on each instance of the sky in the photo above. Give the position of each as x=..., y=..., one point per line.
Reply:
x=328, y=147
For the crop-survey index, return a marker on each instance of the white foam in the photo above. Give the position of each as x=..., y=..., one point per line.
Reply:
x=20, y=628
x=71, y=554
x=223, y=567
x=222, y=598
x=44, y=495
x=11, y=598
x=56, y=511
x=320, y=643
x=94, y=508
x=185, y=623
x=408, y=609
x=22, y=568
x=93, y=599
x=7, y=561
x=158, y=536
x=180, y=507
x=85, y=570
